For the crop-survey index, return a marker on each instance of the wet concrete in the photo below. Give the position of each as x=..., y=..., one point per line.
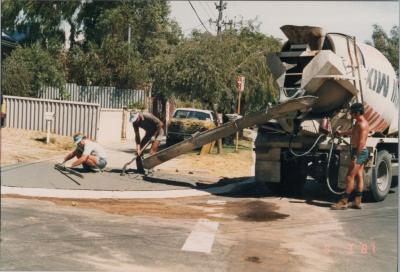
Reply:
x=43, y=175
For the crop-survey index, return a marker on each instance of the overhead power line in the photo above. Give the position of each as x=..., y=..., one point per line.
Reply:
x=198, y=17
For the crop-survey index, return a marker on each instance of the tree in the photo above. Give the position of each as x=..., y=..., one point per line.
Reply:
x=107, y=27
x=105, y=56
x=387, y=45
x=148, y=21
x=27, y=70
x=205, y=67
x=40, y=21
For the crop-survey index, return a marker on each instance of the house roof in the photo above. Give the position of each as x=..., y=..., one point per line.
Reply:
x=6, y=40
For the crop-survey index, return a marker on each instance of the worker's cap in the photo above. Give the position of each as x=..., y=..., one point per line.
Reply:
x=133, y=116
x=77, y=138
x=357, y=108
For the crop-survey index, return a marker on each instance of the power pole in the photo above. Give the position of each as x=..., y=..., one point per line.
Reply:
x=220, y=8
x=220, y=22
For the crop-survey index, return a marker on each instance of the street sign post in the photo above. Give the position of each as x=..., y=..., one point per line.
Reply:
x=240, y=88
x=49, y=117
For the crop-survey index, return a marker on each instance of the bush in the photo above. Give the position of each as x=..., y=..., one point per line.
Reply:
x=27, y=70
x=136, y=106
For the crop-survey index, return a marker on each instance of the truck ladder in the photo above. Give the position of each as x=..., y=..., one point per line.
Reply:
x=292, y=106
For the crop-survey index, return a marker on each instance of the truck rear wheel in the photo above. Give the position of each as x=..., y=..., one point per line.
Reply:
x=381, y=176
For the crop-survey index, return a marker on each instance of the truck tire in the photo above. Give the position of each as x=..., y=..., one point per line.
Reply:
x=381, y=176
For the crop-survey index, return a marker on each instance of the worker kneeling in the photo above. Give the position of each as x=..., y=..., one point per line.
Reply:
x=90, y=154
x=154, y=129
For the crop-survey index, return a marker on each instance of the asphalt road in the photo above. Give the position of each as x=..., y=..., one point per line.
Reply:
x=372, y=237
x=249, y=230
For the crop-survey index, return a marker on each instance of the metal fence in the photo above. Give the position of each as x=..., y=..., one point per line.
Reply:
x=107, y=97
x=69, y=117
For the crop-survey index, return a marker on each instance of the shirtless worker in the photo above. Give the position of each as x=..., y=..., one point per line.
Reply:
x=154, y=129
x=359, y=155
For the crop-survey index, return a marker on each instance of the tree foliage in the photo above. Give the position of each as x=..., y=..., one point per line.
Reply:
x=205, y=67
x=27, y=70
x=130, y=43
x=105, y=56
x=123, y=37
x=388, y=45
x=40, y=21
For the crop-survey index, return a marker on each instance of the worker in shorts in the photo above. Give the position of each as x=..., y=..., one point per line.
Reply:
x=359, y=156
x=154, y=130
x=91, y=155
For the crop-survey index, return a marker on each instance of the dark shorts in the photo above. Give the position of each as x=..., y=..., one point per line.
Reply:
x=147, y=137
x=362, y=158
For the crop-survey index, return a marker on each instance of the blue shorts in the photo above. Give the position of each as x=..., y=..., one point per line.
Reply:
x=362, y=158
x=101, y=163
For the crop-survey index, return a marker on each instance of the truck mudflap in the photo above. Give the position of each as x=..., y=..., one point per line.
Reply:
x=290, y=107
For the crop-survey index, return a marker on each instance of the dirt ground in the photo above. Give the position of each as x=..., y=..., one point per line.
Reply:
x=189, y=208
x=230, y=164
x=26, y=146
x=19, y=145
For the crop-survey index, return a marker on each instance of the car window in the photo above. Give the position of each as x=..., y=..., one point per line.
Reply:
x=199, y=115
x=181, y=114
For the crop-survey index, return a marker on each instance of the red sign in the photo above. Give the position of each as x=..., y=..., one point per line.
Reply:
x=240, y=83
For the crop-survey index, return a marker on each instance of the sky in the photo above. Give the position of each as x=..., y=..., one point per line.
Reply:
x=349, y=17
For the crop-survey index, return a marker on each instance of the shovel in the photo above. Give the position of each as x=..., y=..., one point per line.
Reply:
x=139, y=161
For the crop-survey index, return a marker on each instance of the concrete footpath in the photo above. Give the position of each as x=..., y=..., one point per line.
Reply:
x=42, y=180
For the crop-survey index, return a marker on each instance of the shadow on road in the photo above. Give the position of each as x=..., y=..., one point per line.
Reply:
x=196, y=185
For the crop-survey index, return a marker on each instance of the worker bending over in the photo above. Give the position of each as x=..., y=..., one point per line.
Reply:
x=153, y=127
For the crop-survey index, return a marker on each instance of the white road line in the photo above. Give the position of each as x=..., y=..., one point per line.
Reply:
x=201, y=239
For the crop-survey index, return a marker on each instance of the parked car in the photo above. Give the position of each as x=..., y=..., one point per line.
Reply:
x=187, y=121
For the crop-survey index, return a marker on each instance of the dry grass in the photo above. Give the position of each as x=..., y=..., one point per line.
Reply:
x=19, y=145
x=230, y=164
x=192, y=125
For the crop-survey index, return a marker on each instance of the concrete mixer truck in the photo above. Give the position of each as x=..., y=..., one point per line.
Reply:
x=339, y=71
